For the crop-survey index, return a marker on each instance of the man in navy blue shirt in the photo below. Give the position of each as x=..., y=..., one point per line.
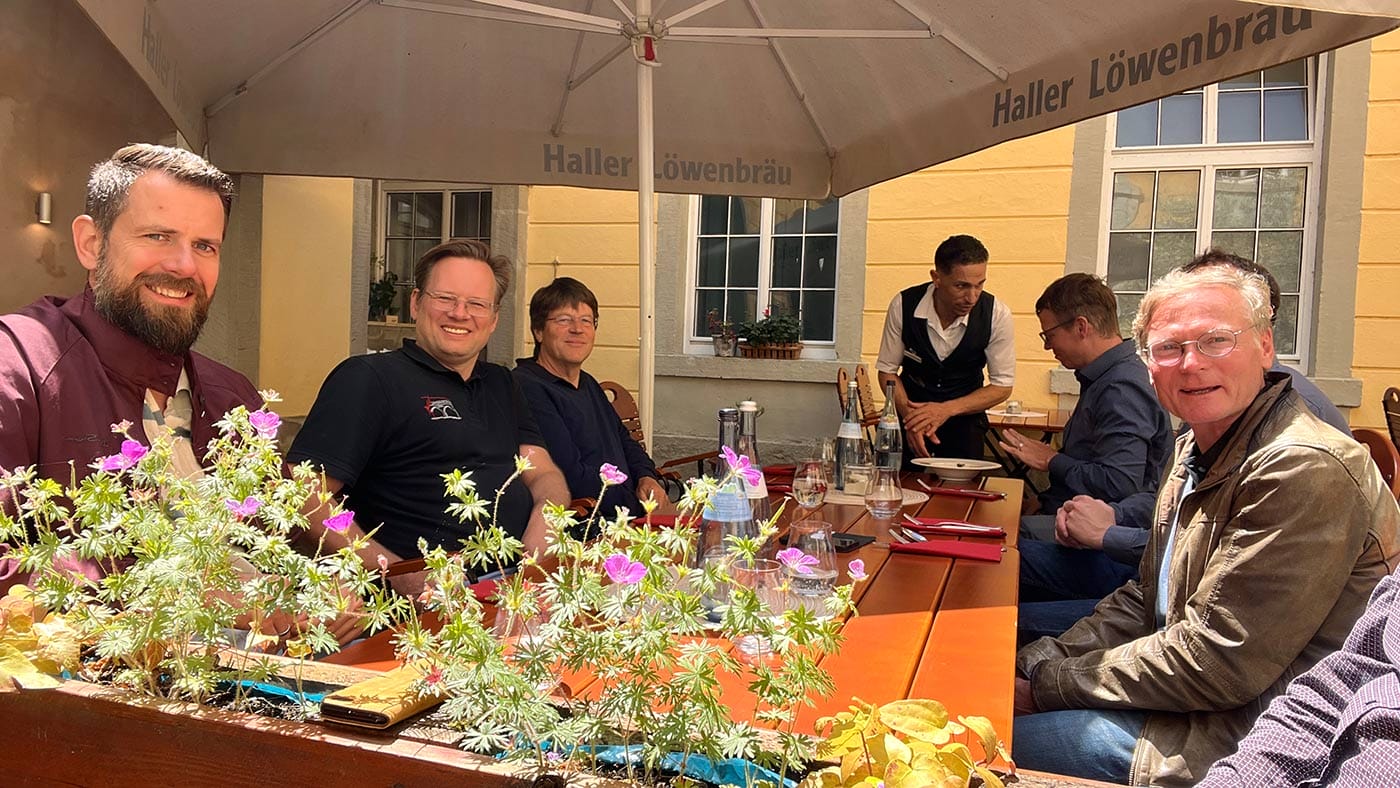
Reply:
x=385, y=427
x=580, y=427
x=1115, y=444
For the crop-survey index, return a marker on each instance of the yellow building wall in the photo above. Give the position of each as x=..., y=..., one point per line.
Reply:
x=1376, y=354
x=591, y=235
x=1015, y=199
x=306, y=259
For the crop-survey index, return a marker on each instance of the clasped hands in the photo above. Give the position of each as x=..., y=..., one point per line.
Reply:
x=921, y=422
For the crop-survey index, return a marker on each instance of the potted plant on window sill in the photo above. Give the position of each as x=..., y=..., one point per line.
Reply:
x=722, y=334
x=774, y=336
x=381, y=299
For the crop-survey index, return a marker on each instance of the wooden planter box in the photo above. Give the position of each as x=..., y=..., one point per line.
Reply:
x=85, y=734
x=788, y=350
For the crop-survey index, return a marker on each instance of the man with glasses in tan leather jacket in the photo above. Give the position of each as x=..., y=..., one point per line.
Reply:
x=1270, y=531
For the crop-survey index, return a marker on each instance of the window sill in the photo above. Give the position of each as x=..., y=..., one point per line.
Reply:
x=736, y=368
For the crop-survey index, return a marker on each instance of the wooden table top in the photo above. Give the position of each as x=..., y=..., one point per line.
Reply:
x=927, y=626
x=1040, y=420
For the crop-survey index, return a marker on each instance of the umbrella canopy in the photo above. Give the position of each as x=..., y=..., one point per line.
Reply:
x=754, y=97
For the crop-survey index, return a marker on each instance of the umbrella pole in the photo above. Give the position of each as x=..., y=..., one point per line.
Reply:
x=646, y=238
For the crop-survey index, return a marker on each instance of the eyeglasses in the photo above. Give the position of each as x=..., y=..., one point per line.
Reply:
x=569, y=321
x=447, y=303
x=1045, y=335
x=1215, y=343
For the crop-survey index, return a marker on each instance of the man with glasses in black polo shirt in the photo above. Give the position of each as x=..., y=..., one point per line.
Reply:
x=386, y=426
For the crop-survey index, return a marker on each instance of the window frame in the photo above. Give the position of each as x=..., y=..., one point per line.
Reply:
x=382, y=191
x=702, y=345
x=1207, y=157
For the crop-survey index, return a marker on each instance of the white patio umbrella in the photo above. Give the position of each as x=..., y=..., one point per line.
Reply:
x=795, y=98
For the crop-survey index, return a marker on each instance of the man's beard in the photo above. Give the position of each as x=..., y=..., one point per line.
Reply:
x=169, y=329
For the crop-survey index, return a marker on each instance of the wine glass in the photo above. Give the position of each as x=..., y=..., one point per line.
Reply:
x=764, y=578
x=883, y=496
x=825, y=451
x=812, y=574
x=809, y=483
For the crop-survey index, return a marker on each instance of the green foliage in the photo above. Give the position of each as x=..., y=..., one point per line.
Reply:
x=772, y=329
x=182, y=570
x=382, y=293
x=904, y=744
x=560, y=616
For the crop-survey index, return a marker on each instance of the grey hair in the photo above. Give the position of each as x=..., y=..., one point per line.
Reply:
x=1252, y=287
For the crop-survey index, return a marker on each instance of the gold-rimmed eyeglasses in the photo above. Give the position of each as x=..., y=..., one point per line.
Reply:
x=569, y=321
x=447, y=303
x=1215, y=343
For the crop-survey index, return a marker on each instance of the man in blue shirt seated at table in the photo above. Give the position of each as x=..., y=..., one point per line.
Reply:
x=1115, y=444
x=580, y=427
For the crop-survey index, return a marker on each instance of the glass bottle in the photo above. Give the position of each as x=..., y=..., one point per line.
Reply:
x=889, y=439
x=848, y=437
x=727, y=513
x=748, y=447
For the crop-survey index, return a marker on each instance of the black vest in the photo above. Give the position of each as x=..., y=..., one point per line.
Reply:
x=930, y=379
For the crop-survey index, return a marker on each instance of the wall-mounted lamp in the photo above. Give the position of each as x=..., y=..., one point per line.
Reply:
x=44, y=208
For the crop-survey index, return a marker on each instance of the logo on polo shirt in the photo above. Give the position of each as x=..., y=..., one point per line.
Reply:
x=440, y=408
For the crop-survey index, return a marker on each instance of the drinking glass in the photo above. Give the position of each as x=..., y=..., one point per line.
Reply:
x=812, y=575
x=884, y=497
x=809, y=483
x=764, y=578
x=825, y=451
x=858, y=478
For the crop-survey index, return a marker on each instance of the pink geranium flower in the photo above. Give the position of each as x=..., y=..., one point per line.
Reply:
x=131, y=453
x=856, y=569
x=740, y=464
x=265, y=422
x=339, y=522
x=610, y=474
x=434, y=676
x=797, y=561
x=247, y=508
x=624, y=570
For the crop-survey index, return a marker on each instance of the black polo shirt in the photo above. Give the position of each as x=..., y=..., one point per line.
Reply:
x=388, y=425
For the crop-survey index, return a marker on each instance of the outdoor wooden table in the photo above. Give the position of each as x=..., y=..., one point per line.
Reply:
x=927, y=626
x=1047, y=423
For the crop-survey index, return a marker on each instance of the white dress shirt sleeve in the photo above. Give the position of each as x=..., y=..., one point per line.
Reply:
x=892, y=343
x=1001, y=348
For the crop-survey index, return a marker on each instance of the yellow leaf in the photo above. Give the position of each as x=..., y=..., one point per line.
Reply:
x=58, y=647
x=924, y=758
x=918, y=719
x=989, y=779
x=14, y=666
x=888, y=749
x=986, y=735
x=957, y=758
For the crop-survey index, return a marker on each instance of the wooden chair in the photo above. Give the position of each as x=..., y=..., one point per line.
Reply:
x=1390, y=401
x=866, y=414
x=627, y=410
x=1386, y=456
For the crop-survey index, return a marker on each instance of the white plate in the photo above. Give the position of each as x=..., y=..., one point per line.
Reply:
x=955, y=470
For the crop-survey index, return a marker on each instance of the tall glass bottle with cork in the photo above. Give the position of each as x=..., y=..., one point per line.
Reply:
x=889, y=440
x=748, y=447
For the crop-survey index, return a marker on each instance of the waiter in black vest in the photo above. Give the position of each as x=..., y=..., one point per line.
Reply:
x=939, y=340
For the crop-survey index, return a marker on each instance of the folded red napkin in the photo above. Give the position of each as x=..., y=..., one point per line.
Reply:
x=485, y=591
x=959, y=492
x=953, y=527
x=784, y=486
x=949, y=549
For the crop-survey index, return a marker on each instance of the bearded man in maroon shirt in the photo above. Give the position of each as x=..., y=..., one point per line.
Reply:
x=70, y=367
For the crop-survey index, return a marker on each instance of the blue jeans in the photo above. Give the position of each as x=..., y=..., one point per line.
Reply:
x=1060, y=585
x=1092, y=744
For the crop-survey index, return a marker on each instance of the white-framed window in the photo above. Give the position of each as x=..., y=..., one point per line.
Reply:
x=415, y=217
x=1234, y=165
x=748, y=254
